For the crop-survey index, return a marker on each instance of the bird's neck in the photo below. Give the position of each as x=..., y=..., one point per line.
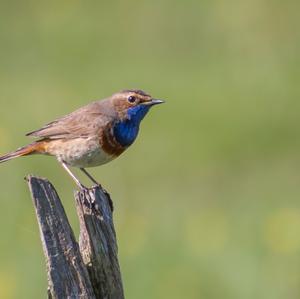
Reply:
x=127, y=130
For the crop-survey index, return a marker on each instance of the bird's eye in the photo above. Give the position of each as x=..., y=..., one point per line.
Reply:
x=131, y=99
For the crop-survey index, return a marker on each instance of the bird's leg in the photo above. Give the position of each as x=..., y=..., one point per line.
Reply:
x=90, y=177
x=64, y=165
x=94, y=181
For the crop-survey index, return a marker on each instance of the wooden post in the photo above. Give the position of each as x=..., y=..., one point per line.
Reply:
x=89, y=270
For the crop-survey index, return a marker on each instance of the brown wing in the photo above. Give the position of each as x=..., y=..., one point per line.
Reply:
x=83, y=122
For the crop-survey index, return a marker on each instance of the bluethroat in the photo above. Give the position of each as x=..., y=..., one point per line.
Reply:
x=92, y=135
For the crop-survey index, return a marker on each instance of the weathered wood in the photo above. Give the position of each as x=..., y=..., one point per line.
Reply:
x=89, y=270
x=98, y=243
x=67, y=274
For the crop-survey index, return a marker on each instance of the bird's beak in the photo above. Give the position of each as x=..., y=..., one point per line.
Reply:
x=154, y=102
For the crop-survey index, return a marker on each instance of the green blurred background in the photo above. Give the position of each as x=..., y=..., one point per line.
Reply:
x=207, y=201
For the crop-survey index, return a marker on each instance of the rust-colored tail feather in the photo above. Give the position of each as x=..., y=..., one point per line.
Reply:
x=23, y=151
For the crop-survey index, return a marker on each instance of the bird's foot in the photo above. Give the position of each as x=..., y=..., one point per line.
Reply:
x=98, y=185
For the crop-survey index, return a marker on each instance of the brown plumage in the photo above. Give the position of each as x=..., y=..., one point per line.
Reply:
x=92, y=135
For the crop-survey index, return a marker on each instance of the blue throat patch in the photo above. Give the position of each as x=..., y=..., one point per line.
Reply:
x=126, y=131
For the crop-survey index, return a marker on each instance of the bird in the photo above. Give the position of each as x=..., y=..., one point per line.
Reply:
x=92, y=135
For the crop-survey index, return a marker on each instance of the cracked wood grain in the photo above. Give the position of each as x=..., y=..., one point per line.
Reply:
x=88, y=270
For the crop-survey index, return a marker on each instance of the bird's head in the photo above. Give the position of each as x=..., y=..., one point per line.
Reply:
x=131, y=107
x=133, y=104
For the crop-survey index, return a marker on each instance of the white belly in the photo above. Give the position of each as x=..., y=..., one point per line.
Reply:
x=81, y=152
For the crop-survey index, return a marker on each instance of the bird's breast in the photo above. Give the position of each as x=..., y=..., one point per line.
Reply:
x=109, y=143
x=125, y=132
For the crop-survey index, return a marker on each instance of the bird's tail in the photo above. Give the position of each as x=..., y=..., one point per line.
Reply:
x=33, y=148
